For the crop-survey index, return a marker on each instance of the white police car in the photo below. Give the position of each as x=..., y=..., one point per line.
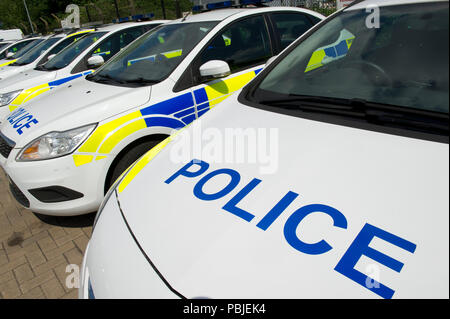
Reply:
x=76, y=60
x=39, y=54
x=10, y=53
x=352, y=200
x=64, y=150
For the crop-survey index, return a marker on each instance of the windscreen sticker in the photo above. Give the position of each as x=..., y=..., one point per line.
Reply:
x=332, y=52
x=152, y=58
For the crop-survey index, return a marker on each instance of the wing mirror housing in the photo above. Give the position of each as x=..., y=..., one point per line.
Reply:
x=214, y=69
x=9, y=54
x=95, y=61
x=51, y=57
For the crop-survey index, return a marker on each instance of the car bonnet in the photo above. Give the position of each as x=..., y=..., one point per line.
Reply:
x=76, y=104
x=294, y=231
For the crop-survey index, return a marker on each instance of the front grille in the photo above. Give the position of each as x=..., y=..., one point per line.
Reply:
x=5, y=146
x=18, y=195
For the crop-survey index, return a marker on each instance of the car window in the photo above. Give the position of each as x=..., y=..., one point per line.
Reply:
x=155, y=55
x=289, y=26
x=72, y=51
x=404, y=62
x=19, y=46
x=61, y=45
x=116, y=42
x=243, y=44
x=37, y=51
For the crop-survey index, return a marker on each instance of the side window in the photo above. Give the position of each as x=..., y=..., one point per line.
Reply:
x=290, y=26
x=116, y=42
x=65, y=43
x=61, y=45
x=242, y=45
x=14, y=48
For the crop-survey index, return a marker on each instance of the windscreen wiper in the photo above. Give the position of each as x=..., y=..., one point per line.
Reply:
x=41, y=68
x=141, y=81
x=376, y=113
x=104, y=78
x=51, y=68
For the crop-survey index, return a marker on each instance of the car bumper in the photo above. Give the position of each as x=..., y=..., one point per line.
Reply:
x=57, y=186
x=113, y=265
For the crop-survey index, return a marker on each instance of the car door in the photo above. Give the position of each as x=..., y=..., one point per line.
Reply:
x=245, y=45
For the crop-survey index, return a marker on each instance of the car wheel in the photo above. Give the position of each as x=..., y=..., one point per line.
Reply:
x=129, y=158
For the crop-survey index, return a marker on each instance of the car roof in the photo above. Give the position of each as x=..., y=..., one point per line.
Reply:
x=215, y=15
x=384, y=3
x=124, y=25
x=222, y=14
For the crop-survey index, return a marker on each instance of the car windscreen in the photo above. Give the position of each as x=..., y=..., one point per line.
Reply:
x=25, y=49
x=37, y=51
x=151, y=58
x=402, y=61
x=71, y=52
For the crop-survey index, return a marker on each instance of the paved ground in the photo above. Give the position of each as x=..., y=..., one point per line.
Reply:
x=35, y=250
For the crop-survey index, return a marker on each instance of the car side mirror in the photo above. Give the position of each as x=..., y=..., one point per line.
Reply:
x=9, y=54
x=214, y=69
x=95, y=61
x=51, y=57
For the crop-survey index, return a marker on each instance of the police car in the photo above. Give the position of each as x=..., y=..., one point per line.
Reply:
x=40, y=54
x=76, y=60
x=64, y=150
x=10, y=53
x=350, y=201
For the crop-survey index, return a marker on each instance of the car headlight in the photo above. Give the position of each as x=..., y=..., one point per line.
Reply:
x=55, y=144
x=7, y=98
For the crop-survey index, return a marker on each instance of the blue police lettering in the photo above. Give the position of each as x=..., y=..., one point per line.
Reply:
x=26, y=125
x=235, y=178
x=16, y=123
x=231, y=205
x=21, y=119
x=294, y=220
x=358, y=248
x=15, y=114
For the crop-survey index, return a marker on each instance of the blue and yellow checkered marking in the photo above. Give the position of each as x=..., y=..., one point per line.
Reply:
x=174, y=113
x=330, y=53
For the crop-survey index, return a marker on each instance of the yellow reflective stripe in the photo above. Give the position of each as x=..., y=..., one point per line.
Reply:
x=316, y=60
x=100, y=158
x=93, y=142
x=82, y=159
x=173, y=54
x=121, y=134
x=219, y=89
x=213, y=103
x=27, y=95
x=9, y=62
x=143, y=162
x=80, y=32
